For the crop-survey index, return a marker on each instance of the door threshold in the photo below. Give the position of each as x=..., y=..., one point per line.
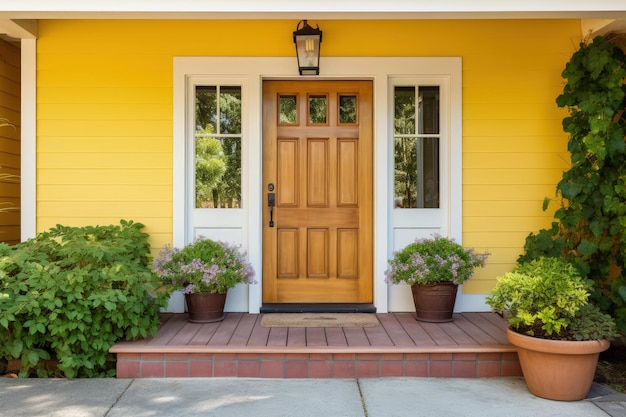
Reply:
x=318, y=308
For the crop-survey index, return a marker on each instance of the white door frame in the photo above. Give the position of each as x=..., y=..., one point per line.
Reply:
x=254, y=70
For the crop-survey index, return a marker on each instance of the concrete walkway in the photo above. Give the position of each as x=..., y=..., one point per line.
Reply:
x=241, y=397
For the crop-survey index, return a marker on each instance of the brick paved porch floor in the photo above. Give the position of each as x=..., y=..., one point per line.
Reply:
x=474, y=345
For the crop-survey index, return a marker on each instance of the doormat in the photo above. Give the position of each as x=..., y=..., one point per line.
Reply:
x=319, y=320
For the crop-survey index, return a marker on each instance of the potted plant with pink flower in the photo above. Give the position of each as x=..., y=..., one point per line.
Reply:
x=434, y=267
x=204, y=270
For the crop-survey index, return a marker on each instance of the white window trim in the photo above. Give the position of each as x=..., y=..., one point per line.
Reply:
x=255, y=70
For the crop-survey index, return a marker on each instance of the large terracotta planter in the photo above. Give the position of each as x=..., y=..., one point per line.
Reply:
x=434, y=303
x=558, y=369
x=205, y=307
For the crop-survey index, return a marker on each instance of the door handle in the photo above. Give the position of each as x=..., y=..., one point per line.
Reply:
x=271, y=202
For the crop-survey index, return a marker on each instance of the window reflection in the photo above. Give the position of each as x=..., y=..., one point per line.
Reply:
x=318, y=109
x=287, y=110
x=347, y=109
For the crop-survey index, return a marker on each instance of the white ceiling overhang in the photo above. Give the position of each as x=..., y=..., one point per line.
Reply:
x=19, y=18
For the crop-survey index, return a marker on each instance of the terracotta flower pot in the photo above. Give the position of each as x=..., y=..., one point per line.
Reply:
x=205, y=307
x=558, y=369
x=434, y=303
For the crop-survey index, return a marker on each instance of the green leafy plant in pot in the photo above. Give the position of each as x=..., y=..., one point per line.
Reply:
x=204, y=271
x=434, y=267
x=558, y=333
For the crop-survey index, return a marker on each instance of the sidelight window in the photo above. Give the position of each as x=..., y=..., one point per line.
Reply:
x=416, y=147
x=218, y=147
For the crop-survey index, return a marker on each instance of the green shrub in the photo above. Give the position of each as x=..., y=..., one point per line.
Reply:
x=70, y=293
x=548, y=298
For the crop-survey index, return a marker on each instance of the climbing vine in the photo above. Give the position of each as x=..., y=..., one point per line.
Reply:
x=590, y=224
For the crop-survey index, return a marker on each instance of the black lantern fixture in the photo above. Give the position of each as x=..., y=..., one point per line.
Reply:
x=308, y=41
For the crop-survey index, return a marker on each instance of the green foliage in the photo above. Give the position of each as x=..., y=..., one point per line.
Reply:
x=590, y=223
x=204, y=266
x=72, y=292
x=434, y=260
x=218, y=172
x=405, y=148
x=592, y=324
x=210, y=167
x=548, y=298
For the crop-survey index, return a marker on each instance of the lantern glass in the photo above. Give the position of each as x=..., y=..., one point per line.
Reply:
x=308, y=48
x=308, y=40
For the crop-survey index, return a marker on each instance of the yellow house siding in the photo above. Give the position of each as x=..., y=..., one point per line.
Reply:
x=104, y=128
x=105, y=114
x=514, y=149
x=10, y=140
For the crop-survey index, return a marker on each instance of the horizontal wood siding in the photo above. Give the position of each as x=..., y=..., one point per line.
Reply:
x=10, y=64
x=514, y=149
x=105, y=114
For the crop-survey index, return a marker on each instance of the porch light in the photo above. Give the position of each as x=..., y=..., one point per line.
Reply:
x=308, y=40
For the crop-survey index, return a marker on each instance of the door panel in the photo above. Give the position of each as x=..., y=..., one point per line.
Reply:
x=317, y=152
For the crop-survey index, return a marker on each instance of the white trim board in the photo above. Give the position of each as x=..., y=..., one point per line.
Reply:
x=28, y=203
x=462, y=9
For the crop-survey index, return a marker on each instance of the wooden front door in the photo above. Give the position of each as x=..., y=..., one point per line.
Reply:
x=317, y=166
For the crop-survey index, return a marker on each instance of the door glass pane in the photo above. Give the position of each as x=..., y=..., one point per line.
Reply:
x=317, y=109
x=347, y=109
x=218, y=147
x=287, y=110
x=429, y=110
